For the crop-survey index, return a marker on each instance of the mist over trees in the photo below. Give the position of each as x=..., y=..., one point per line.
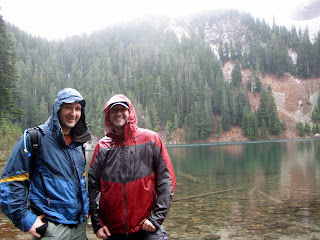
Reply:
x=172, y=83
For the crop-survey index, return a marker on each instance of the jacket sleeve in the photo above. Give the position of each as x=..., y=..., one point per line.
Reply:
x=94, y=189
x=14, y=186
x=165, y=184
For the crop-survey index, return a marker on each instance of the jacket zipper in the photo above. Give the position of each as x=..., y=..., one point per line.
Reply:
x=124, y=193
x=75, y=171
x=45, y=189
x=125, y=209
x=79, y=197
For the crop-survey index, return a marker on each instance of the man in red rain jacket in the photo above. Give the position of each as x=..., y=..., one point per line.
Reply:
x=131, y=178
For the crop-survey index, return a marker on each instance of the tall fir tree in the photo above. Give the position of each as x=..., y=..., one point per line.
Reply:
x=8, y=75
x=263, y=133
x=236, y=76
x=225, y=112
x=262, y=112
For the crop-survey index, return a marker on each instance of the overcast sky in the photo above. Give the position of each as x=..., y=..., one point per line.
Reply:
x=57, y=19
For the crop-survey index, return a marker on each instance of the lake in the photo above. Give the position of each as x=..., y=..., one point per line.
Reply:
x=255, y=190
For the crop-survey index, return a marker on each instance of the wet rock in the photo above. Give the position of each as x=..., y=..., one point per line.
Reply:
x=313, y=237
x=271, y=236
x=255, y=227
x=212, y=237
x=303, y=213
x=196, y=219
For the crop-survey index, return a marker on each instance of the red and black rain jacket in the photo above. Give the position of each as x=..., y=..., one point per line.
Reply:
x=130, y=178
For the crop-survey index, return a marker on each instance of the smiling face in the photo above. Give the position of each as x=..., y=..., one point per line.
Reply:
x=69, y=114
x=118, y=117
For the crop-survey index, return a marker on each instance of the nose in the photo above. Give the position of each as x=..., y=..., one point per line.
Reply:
x=73, y=112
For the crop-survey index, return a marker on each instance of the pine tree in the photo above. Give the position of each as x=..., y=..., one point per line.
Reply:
x=219, y=126
x=221, y=52
x=147, y=124
x=307, y=129
x=232, y=51
x=8, y=76
x=238, y=49
x=262, y=112
x=225, y=112
x=236, y=76
x=252, y=128
x=316, y=56
x=300, y=128
x=274, y=121
x=226, y=52
x=263, y=133
x=245, y=123
x=206, y=126
x=304, y=56
x=154, y=119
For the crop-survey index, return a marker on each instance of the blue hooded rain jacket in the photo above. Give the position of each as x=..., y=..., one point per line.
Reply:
x=54, y=181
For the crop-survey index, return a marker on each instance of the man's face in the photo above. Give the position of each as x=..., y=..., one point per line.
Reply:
x=119, y=116
x=69, y=114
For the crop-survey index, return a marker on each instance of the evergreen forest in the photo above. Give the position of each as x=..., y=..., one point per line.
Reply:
x=174, y=83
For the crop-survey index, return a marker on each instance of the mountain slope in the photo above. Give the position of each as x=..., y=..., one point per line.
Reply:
x=178, y=73
x=295, y=98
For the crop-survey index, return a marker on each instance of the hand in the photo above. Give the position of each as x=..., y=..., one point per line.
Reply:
x=103, y=233
x=87, y=216
x=36, y=224
x=148, y=226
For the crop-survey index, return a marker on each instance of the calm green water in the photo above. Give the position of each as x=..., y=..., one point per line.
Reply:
x=265, y=190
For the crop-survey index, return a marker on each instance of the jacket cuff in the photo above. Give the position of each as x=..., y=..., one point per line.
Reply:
x=27, y=222
x=96, y=224
x=155, y=223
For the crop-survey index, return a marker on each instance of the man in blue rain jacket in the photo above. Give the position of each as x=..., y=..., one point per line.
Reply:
x=45, y=192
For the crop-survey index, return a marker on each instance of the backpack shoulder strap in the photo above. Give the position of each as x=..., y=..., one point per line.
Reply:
x=34, y=139
x=33, y=133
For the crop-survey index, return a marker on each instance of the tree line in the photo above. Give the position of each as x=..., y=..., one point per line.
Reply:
x=173, y=83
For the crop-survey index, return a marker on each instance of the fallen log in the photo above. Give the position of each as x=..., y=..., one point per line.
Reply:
x=267, y=196
x=189, y=177
x=207, y=194
x=252, y=191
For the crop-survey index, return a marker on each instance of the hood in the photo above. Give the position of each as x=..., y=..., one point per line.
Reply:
x=80, y=131
x=131, y=124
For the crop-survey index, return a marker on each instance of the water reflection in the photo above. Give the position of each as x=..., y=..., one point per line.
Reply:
x=264, y=190
x=246, y=191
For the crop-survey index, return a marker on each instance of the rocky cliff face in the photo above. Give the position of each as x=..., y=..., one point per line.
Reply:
x=295, y=98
